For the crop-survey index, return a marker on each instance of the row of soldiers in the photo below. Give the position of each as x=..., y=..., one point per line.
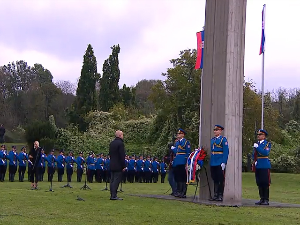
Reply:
x=138, y=169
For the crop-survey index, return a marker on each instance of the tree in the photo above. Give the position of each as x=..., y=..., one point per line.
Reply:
x=109, y=83
x=127, y=96
x=85, y=100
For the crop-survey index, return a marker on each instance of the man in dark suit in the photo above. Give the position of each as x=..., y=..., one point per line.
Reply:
x=35, y=156
x=117, y=164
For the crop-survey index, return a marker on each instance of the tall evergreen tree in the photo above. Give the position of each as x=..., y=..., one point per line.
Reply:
x=109, y=83
x=85, y=100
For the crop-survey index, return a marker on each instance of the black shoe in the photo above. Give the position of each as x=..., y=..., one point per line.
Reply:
x=116, y=198
x=259, y=202
x=219, y=199
x=265, y=202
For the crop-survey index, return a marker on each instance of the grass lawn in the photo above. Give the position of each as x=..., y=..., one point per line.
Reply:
x=20, y=205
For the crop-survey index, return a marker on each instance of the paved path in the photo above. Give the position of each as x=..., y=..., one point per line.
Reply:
x=245, y=202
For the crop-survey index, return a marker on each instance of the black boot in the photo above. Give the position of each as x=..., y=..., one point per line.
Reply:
x=266, y=192
x=261, y=195
x=184, y=189
x=179, y=189
x=216, y=187
x=220, y=192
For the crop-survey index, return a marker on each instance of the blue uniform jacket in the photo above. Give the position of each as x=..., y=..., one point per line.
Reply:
x=147, y=166
x=107, y=163
x=99, y=164
x=90, y=161
x=51, y=161
x=70, y=162
x=131, y=165
x=155, y=166
x=13, y=158
x=80, y=161
x=3, y=158
x=140, y=165
x=163, y=167
x=182, y=151
x=22, y=157
x=262, y=151
x=42, y=162
x=219, y=151
x=61, y=162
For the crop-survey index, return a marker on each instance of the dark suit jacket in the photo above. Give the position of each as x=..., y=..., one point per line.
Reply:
x=117, y=155
x=36, y=154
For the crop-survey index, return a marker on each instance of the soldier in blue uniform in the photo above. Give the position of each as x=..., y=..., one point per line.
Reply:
x=163, y=171
x=261, y=151
x=3, y=163
x=42, y=166
x=51, y=159
x=148, y=170
x=91, y=169
x=99, y=167
x=80, y=163
x=61, y=160
x=218, y=161
x=131, y=169
x=155, y=169
x=107, y=164
x=182, y=151
x=22, y=158
x=13, y=159
x=140, y=169
x=70, y=165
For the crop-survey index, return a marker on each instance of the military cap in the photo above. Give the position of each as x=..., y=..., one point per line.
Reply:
x=52, y=150
x=181, y=131
x=80, y=153
x=13, y=146
x=263, y=131
x=61, y=151
x=2, y=146
x=219, y=126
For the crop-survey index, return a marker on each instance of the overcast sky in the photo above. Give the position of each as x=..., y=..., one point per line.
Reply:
x=55, y=33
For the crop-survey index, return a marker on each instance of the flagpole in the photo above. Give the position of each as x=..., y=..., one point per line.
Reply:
x=263, y=71
x=200, y=117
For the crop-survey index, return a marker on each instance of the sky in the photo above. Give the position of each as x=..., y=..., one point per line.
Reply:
x=55, y=33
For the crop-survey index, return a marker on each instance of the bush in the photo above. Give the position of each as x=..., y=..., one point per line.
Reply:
x=39, y=130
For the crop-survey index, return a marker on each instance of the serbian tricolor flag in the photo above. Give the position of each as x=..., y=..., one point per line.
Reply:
x=200, y=50
x=262, y=43
x=194, y=163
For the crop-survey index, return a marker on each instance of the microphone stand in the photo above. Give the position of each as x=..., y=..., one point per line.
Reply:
x=85, y=186
x=121, y=187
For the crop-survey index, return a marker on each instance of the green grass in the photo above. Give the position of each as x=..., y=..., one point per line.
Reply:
x=19, y=205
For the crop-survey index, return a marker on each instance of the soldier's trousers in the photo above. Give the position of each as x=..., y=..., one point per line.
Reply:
x=162, y=177
x=2, y=172
x=155, y=177
x=12, y=171
x=262, y=177
x=124, y=176
x=218, y=176
x=69, y=174
x=98, y=176
x=148, y=176
x=79, y=174
x=131, y=174
x=51, y=171
x=91, y=174
x=60, y=173
x=22, y=170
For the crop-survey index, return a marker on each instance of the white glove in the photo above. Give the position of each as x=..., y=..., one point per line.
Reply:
x=255, y=163
x=255, y=145
x=198, y=167
x=223, y=166
x=172, y=147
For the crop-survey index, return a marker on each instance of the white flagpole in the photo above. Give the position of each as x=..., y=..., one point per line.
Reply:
x=263, y=71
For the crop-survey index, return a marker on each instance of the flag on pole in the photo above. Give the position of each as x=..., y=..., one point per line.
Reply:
x=262, y=43
x=200, y=50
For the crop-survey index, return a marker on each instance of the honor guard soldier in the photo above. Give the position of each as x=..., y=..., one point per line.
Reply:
x=182, y=151
x=51, y=165
x=42, y=165
x=140, y=169
x=125, y=172
x=13, y=158
x=107, y=165
x=218, y=161
x=163, y=171
x=131, y=169
x=70, y=164
x=155, y=168
x=22, y=157
x=99, y=167
x=147, y=170
x=61, y=160
x=91, y=169
x=261, y=151
x=3, y=163
x=80, y=162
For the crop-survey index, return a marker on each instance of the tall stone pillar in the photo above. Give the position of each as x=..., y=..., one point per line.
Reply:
x=223, y=75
